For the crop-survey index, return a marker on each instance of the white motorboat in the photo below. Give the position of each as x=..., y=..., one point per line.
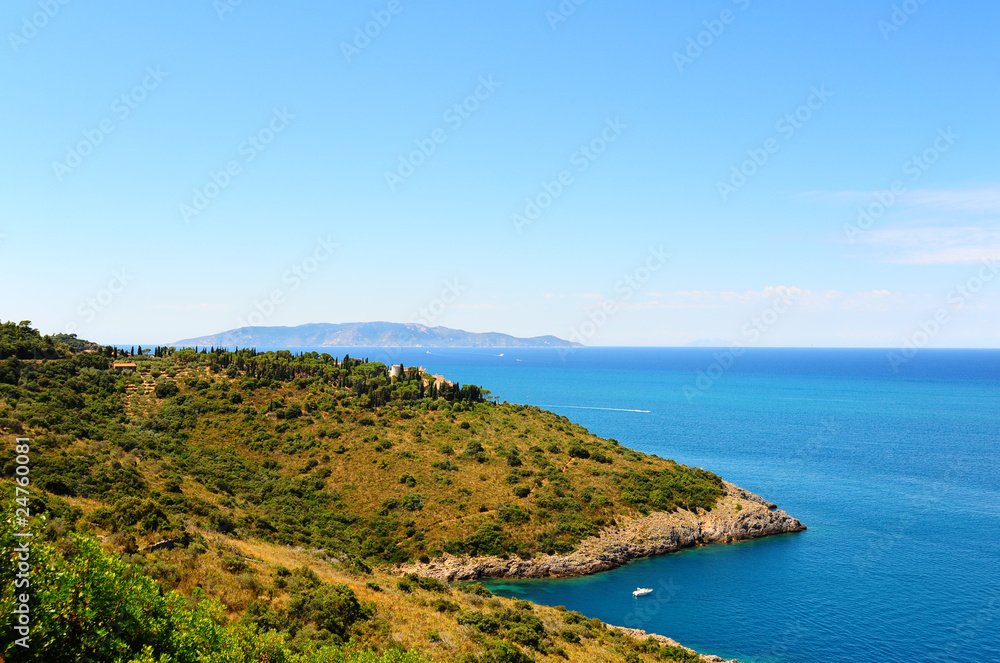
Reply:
x=642, y=591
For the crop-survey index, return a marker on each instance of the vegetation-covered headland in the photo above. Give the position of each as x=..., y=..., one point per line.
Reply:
x=215, y=505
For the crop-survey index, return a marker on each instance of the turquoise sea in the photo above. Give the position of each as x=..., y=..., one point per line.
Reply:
x=896, y=474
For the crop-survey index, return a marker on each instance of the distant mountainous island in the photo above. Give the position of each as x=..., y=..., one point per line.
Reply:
x=370, y=334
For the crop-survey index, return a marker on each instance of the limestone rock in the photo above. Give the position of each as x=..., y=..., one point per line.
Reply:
x=639, y=634
x=739, y=515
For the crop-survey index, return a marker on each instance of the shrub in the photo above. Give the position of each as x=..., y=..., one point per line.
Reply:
x=264, y=617
x=220, y=522
x=521, y=491
x=504, y=652
x=489, y=539
x=412, y=502
x=474, y=588
x=601, y=458
x=479, y=620
x=523, y=635
x=334, y=608
x=131, y=514
x=426, y=582
x=444, y=605
x=166, y=389
x=670, y=489
x=569, y=636
x=513, y=514
x=234, y=563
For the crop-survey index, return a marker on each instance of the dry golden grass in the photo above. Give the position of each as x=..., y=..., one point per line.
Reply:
x=406, y=617
x=455, y=503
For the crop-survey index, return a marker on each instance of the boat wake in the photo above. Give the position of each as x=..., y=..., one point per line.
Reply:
x=588, y=407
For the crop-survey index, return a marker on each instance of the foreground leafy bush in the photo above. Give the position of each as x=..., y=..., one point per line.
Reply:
x=87, y=605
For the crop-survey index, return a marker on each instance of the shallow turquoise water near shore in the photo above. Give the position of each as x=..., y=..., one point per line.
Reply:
x=897, y=476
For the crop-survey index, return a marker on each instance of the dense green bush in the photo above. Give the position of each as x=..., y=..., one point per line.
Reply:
x=88, y=605
x=412, y=501
x=518, y=625
x=166, y=389
x=489, y=539
x=426, y=582
x=475, y=588
x=674, y=488
x=331, y=608
x=513, y=514
x=498, y=651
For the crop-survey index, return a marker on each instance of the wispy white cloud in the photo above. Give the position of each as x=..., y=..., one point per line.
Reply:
x=982, y=200
x=945, y=226
x=959, y=255
x=935, y=245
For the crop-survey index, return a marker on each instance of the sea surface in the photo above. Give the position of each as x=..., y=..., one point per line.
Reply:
x=896, y=472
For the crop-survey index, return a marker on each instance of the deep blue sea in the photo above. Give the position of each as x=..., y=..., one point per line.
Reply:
x=896, y=474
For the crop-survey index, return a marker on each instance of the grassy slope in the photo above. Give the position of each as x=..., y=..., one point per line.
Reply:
x=254, y=475
x=391, y=459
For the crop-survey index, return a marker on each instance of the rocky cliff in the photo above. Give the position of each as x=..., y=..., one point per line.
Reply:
x=738, y=516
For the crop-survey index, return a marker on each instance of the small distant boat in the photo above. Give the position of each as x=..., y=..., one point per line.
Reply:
x=642, y=591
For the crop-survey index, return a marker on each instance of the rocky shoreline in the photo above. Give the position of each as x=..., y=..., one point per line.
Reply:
x=639, y=634
x=739, y=515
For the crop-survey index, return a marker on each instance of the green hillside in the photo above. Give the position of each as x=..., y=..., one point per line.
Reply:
x=241, y=459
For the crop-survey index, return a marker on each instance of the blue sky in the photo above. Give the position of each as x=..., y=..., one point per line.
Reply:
x=626, y=124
